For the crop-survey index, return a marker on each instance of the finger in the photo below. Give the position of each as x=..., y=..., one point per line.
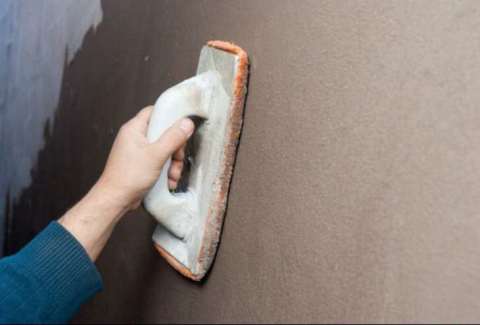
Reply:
x=142, y=118
x=172, y=185
x=175, y=171
x=179, y=154
x=172, y=139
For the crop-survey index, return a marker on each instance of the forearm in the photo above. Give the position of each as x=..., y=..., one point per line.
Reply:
x=92, y=220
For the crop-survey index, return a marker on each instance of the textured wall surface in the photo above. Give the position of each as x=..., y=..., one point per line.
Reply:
x=356, y=193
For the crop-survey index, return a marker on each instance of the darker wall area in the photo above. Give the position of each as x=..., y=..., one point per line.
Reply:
x=356, y=191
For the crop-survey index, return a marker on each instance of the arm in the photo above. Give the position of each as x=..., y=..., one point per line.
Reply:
x=49, y=278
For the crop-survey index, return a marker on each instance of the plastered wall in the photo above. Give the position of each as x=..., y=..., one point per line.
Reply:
x=356, y=193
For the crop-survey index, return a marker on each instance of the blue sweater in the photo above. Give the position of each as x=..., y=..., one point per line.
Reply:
x=47, y=280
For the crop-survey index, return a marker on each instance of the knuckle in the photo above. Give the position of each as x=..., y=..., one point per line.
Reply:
x=142, y=113
x=123, y=128
x=158, y=152
x=179, y=134
x=145, y=111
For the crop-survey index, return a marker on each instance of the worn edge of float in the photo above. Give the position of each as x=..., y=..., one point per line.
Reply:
x=216, y=212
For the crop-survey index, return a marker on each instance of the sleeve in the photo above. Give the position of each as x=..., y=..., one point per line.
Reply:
x=47, y=280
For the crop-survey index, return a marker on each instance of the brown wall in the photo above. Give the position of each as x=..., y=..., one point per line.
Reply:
x=356, y=193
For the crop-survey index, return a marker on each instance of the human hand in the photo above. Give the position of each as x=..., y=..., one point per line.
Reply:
x=132, y=168
x=134, y=164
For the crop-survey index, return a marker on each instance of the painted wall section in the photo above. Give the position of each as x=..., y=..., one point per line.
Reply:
x=37, y=39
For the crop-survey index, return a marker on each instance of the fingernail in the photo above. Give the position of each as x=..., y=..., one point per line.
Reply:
x=187, y=126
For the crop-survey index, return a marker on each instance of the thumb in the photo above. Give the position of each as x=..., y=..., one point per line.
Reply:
x=173, y=139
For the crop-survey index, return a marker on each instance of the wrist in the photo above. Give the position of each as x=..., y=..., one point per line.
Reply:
x=113, y=202
x=92, y=220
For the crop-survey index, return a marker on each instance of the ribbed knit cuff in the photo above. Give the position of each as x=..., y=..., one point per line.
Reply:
x=63, y=268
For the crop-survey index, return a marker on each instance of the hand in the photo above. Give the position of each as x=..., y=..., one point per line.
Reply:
x=134, y=165
x=132, y=168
